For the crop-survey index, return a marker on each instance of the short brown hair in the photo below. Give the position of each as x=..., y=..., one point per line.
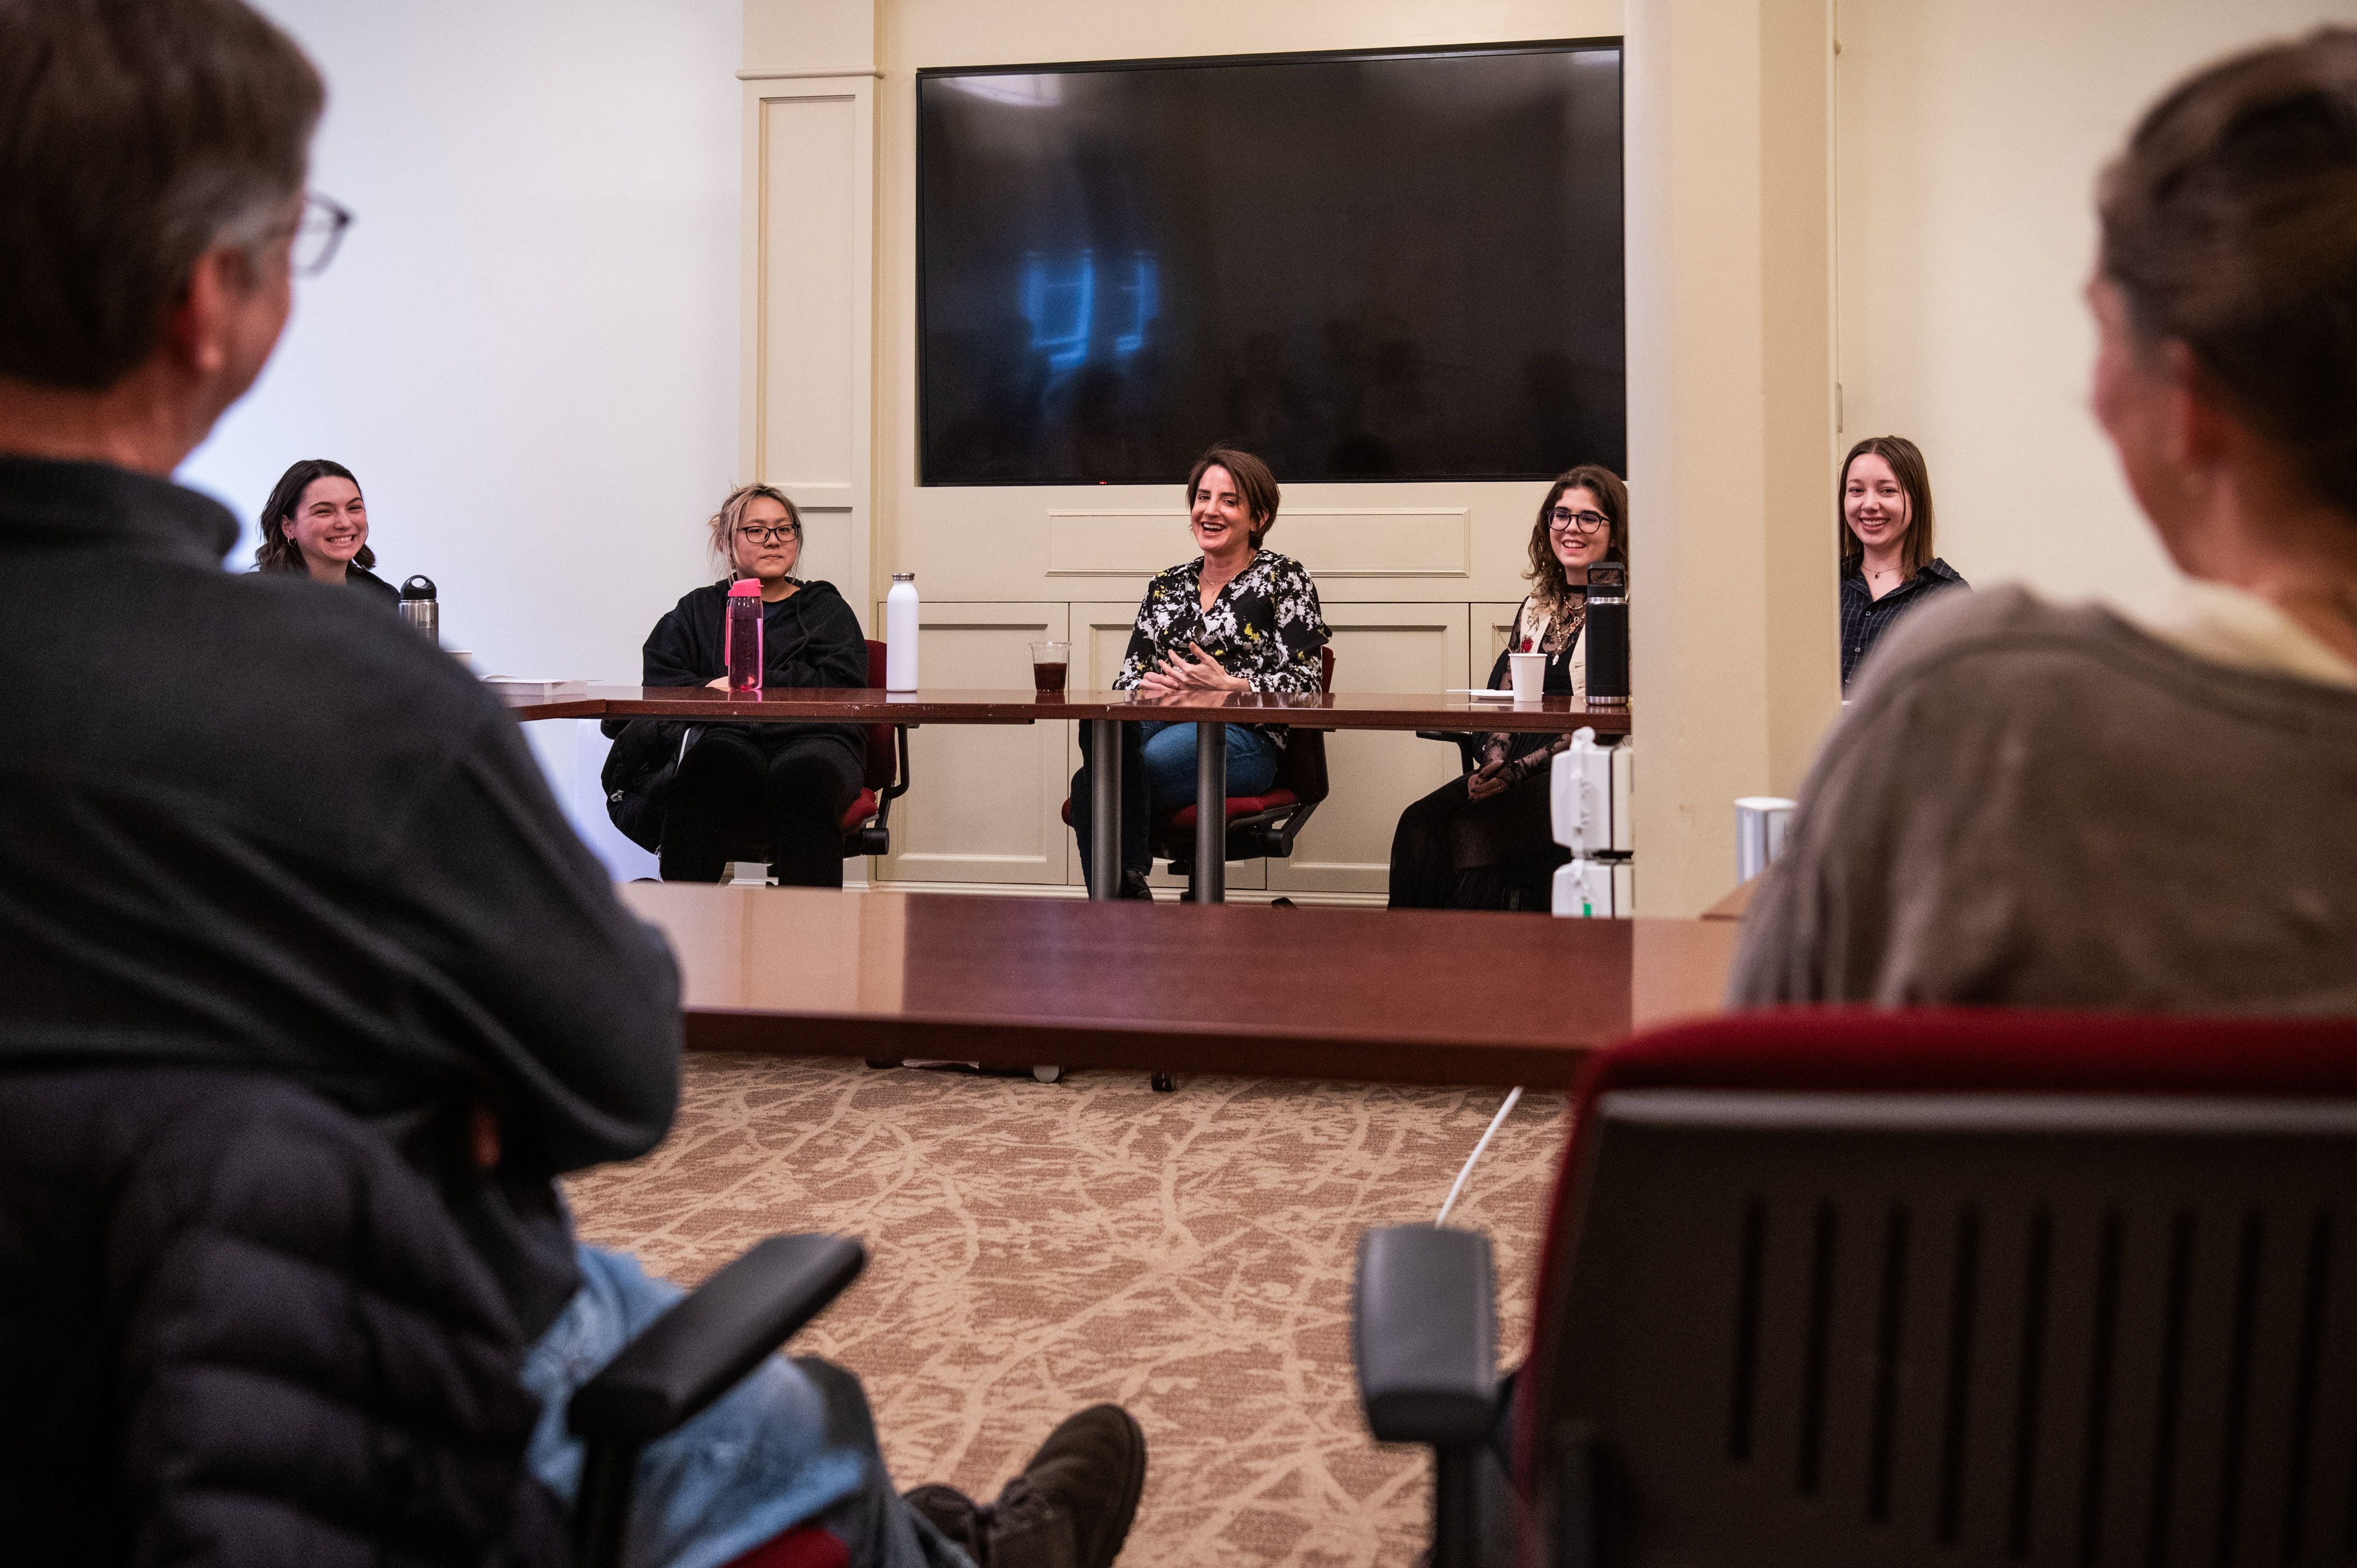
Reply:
x=731, y=516
x=135, y=135
x=279, y=553
x=2230, y=225
x=1255, y=484
x=1611, y=494
x=1914, y=477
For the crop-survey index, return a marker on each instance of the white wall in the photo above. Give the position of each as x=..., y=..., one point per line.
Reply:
x=1970, y=136
x=527, y=349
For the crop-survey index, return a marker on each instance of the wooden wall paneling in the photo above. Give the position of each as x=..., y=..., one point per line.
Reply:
x=1492, y=625
x=984, y=798
x=811, y=218
x=1375, y=775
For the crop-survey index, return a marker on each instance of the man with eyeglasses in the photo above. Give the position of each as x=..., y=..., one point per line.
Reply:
x=253, y=840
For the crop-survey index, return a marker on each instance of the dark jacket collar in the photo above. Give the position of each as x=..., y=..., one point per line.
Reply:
x=48, y=504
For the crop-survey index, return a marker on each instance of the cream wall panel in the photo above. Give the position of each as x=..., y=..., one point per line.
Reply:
x=1376, y=774
x=982, y=800
x=1365, y=542
x=995, y=539
x=1733, y=617
x=1493, y=624
x=810, y=279
x=1968, y=160
x=829, y=552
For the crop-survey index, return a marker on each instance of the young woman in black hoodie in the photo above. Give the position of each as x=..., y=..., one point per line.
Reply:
x=798, y=779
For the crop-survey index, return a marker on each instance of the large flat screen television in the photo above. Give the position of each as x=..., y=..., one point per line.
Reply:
x=1397, y=265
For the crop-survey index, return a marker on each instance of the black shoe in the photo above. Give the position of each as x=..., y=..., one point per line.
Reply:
x=1071, y=1507
x=1134, y=886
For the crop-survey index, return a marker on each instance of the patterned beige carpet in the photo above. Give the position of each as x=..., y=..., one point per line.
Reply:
x=1035, y=1248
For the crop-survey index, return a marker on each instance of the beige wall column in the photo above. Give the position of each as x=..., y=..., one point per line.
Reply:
x=808, y=424
x=1733, y=609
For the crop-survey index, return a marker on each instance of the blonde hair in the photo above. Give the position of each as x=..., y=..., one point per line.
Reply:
x=731, y=516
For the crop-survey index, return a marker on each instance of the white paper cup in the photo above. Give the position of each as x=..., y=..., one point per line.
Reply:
x=465, y=657
x=1530, y=675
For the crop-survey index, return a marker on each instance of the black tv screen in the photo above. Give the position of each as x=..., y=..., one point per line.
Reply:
x=1374, y=266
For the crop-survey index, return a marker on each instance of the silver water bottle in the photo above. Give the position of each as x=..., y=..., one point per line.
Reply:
x=420, y=609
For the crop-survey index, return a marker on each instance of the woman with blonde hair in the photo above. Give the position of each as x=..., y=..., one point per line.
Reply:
x=798, y=779
x=1483, y=841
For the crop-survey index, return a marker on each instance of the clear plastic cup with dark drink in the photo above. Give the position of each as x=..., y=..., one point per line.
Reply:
x=1051, y=664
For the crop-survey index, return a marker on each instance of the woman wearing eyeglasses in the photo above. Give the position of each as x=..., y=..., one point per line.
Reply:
x=798, y=779
x=1484, y=841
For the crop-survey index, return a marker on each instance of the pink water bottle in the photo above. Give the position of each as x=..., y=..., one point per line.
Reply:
x=741, y=640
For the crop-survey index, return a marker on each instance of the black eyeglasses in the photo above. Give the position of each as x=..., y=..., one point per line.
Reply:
x=1564, y=519
x=317, y=234
x=755, y=533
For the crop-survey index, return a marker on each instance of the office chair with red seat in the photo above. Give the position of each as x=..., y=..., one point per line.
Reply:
x=867, y=821
x=1259, y=826
x=1849, y=1287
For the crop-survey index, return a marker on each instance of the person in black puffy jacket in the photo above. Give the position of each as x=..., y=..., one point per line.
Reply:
x=799, y=778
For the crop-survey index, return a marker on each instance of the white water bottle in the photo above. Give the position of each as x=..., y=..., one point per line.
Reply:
x=900, y=633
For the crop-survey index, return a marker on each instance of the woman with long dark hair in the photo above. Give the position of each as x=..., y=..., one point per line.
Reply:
x=794, y=781
x=1884, y=519
x=1483, y=841
x=317, y=522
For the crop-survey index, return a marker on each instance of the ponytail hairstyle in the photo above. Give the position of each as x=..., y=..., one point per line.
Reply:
x=2229, y=225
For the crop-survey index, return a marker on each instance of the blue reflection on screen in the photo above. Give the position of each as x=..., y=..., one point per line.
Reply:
x=1059, y=298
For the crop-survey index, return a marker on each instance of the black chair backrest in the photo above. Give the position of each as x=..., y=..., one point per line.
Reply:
x=1302, y=766
x=239, y=1327
x=879, y=760
x=1896, y=1329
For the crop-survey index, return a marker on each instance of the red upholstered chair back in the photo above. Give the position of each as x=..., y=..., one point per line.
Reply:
x=1860, y=1286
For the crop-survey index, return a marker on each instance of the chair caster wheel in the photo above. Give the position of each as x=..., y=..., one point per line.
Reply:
x=1164, y=1083
x=1046, y=1074
x=881, y=1061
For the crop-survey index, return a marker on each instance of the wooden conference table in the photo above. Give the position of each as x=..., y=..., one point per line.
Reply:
x=1364, y=995
x=1106, y=711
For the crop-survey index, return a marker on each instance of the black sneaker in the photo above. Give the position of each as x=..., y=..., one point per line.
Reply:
x=1071, y=1507
x=1135, y=885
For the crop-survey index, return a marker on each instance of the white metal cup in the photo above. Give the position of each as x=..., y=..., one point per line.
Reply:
x=1759, y=823
x=1529, y=675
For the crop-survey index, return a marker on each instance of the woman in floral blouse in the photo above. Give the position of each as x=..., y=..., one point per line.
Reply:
x=1239, y=618
x=1485, y=841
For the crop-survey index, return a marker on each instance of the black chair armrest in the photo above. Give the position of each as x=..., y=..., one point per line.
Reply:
x=1424, y=1333
x=703, y=1345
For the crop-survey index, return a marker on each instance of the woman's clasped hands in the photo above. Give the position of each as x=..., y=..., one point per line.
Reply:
x=1180, y=676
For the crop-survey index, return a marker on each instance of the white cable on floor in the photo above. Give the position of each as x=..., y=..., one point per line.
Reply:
x=1495, y=1122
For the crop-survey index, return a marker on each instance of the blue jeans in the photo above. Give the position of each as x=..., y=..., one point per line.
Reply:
x=789, y=1444
x=1158, y=776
